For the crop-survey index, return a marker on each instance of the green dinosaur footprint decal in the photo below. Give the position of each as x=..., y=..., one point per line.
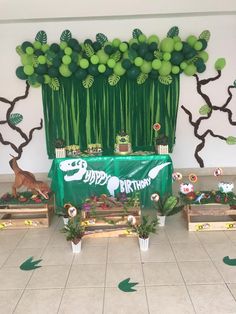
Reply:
x=229, y=261
x=29, y=264
x=127, y=286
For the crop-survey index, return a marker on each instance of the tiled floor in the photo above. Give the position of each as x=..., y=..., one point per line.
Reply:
x=181, y=273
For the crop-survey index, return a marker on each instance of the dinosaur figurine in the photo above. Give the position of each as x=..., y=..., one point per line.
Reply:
x=28, y=180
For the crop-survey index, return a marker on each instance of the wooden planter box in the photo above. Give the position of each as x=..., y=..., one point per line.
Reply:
x=14, y=216
x=162, y=149
x=210, y=217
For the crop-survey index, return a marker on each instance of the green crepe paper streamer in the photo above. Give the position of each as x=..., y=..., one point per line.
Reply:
x=229, y=261
x=127, y=286
x=29, y=264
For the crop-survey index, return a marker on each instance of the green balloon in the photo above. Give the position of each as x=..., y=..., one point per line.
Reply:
x=66, y=59
x=183, y=65
x=133, y=41
x=166, y=56
x=111, y=63
x=165, y=68
x=53, y=72
x=176, y=39
x=123, y=47
x=204, y=55
x=198, y=45
x=94, y=59
x=28, y=69
x=142, y=38
x=20, y=73
x=64, y=70
x=47, y=79
x=138, y=61
x=118, y=69
x=153, y=39
x=156, y=64
x=178, y=46
x=146, y=67
x=101, y=68
x=26, y=59
x=103, y=57
x=190, y=69
x=116, y=42
x=42, y=59
x=83, y=63
x=167, y=44
x=41, y=69
x=133, y=72
x=63, y=45
x=45, y=47
x=29, y=51
x=191, y=40
x=175, y=69
x=81, y=74
x=68, y=51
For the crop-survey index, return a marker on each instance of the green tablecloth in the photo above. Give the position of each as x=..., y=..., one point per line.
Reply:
x=75, y=179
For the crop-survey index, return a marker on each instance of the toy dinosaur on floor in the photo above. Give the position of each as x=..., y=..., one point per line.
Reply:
x=28, y=180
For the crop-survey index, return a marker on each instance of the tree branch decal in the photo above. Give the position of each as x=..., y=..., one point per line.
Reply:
x=207, y=110
x=12, y=119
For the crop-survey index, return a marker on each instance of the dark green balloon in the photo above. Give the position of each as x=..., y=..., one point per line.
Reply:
x=53, y=72
x=41, y=69
x=96, y=46
x=186, y=48
x=81, y=74
x=152, y=47
x=72, y=43
x=176, y=57
x=192, y=53
x=74, y=56
x=55, y=47
x=153, y=74
x=108, y=72
x=38, y=53
x=73, y=67
x=108, y=49
x=56, y=62
x=20, y=73
x=148, y=56
x=133, y=72
x=26, y=44
x=135, y=46
x=40, y=79
x=93, y=69
x=143, y=49
x=126, y=64
x=204, y=44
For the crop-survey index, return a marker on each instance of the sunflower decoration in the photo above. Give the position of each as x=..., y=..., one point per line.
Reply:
x=192, y=177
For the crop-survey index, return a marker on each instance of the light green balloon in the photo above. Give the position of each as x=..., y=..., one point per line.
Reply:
x=103, y=57
x=118, y=69
x=66, y=59
x=204, y=55
x=111, y=63
x=138, y=61
x=178, y=46
x=45, y=47
x=26, y=59
x=133, y=41
x=146, y=67
x=37, y=44
x=156, y=64
x=183, y=65
x=64, y=70
x=190, y=70
x=116, y=42
x=167, y=44
x=197, y=46
x=42, y=59
x=68, y=51
x=175, y=69
x=94, y=59
x=142, y=38
x=166, y=56
x=123, y=47
x=63, y=45
x=28, y=69
x=29, y=51
x=153, y=39
x=83, y=63
x=101, y=68
x=47, y=79
x=165, y=68
x=191, y=40
x=176, y=39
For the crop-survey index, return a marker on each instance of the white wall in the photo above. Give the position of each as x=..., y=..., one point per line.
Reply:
x=222, y=44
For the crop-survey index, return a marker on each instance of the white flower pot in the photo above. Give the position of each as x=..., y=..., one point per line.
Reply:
x=60, y=152
x=65, y=220
x=162, y=220
x=76, y=248
x=143, y=244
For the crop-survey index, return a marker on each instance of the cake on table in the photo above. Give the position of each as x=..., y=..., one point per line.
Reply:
x=122, y=145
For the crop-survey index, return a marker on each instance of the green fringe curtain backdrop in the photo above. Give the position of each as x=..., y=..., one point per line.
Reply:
x=95, y=115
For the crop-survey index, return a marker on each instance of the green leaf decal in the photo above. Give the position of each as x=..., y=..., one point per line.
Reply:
x=136, y=32
x=174, y=31
x=88, y=82
x=229, y=261
x=15, y=118
x=19, y=50
x=142, y=78
x=113, y=79
x=101, y=38
x=29, y=264
x=54, y=84
x=116, y=56
x=158, y=54
x=127, y=286
x=41, y=37
x=204, y=110
x=231, y=140
x=88, y=50
x=205, y=35
x=66, y=35
x=220, y=64
x=166, y=80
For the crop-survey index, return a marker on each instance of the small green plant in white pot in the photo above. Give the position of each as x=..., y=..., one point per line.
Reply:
x=75, y=230
x=143, y=229
x=164, y=206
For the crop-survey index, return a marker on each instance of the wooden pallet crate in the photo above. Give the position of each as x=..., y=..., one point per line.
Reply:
x=14, y=216
x=210, y=217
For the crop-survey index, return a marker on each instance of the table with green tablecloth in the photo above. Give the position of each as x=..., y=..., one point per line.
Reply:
x=75, y=179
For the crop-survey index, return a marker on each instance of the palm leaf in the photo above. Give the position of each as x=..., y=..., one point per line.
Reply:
x=19, y=50
x=174, y=31
x=66, y=35
x=136, y=32
x=101, y=38
x=54, y=84
x=41, y=36
x=142, y=78
x=15, y=118
x=113, y=79
x=166, y=80
x=205, y=35
x=116, y=56
x=88, y=82
x=88, y=50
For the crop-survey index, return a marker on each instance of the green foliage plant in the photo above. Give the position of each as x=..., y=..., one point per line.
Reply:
x=166, y=205
x=75, y=229
x=145, y=227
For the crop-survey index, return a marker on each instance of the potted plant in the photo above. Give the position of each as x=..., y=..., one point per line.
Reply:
x=74, y=231
x=146, y=226
x=60, y=151
x=164, y=206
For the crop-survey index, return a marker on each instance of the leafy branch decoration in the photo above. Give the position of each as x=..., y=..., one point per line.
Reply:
x=207, y=110
x=12, y=119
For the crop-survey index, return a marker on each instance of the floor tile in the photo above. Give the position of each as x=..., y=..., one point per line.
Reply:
x=212, y=299
x=227, y=272
x=212, y=237
x=39, y=301
x=117, y=272
x=181, y=236
x=58, y=239
x=9, y=242
x=32, y=240
x=200, y=272
x=49, y=277
x=217, y=251
x=119, y=302
x=4, y=255
x=95, y=241
x=190, y=252
x=91, y=255
x=169, y=300
x=8, y=300
x=120, y=251
x=232, y=288
x=87, y=275
x=82, y=301
x=162, y=274
x=231, y=235
x=14, y=278
x=57, y=256
x=21, y=255
x=160, y=252
x=159, y=237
